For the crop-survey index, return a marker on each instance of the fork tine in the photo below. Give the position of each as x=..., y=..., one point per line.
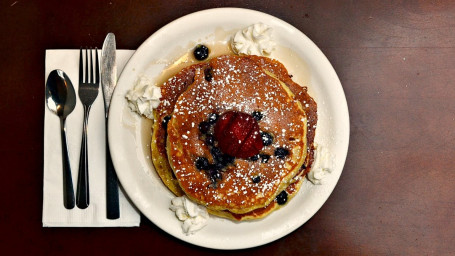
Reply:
x=97, y=67
x=91, y=67
x=81, y=63
x=86, y=66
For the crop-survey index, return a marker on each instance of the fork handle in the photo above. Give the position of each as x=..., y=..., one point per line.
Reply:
x=83, y=196
x=68, y=191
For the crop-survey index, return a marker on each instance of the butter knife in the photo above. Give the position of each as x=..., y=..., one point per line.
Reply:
x=108, y=83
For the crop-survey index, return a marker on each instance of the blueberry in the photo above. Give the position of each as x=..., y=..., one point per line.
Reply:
x=281, y=153
x=256, y=179
x=208, y=74
x=218, y=176
x=217, y=154
x=264, y=158
x=202, y=163
x=217, y=166
x=257, y=115
x=204, y=127
x=201, y=52
x=166, y=120
x=254, y=158
x=215, y=175
x=209, y=139
x=282, y=197
x=212, y=118
x=227, y=159
x=221, y=161
x=267, y=138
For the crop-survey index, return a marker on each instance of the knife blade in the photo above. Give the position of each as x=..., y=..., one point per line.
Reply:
x=108, y=82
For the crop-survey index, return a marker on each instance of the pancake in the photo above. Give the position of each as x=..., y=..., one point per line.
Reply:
x=238, y=84
x=170, y=91
x=301, y=94
x=179, y=83
x=291, y=191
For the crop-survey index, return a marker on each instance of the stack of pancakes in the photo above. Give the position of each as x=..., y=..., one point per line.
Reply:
x=244, y=84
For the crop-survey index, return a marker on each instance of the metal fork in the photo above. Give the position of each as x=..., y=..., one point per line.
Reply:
x=88, y=91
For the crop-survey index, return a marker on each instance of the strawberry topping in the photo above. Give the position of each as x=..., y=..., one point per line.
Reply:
x=238, y=134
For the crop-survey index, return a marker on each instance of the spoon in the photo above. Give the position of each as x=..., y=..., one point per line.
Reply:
x=61, y=99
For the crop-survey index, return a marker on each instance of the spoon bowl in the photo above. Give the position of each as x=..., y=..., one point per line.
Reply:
x=61, y=99
x=60, y=94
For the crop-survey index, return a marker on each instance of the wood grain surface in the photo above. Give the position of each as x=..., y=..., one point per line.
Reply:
x=396, y=62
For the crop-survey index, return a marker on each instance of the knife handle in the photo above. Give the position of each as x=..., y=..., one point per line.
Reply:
x=112, y=199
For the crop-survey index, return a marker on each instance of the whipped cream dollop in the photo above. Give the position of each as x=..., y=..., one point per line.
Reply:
x=253, y=40
x=193, y=216
x=144, y=97
x=322, y=165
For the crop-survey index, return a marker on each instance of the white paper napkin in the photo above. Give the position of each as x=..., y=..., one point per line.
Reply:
x=54, y=213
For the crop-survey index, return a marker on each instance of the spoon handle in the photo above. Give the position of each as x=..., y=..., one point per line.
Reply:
x=68, y=191
x=83, y=197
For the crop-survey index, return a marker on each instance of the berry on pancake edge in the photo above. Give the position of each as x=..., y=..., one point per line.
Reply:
x=282, y=197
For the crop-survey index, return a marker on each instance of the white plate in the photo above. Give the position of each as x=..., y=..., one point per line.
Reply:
x=133, y=164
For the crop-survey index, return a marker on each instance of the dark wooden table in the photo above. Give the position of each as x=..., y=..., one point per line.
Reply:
x=395, y=59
